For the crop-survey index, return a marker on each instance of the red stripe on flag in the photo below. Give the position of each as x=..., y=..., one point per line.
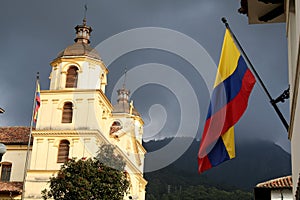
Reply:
x=225, y=118
x=37, y=103
x=204, y=164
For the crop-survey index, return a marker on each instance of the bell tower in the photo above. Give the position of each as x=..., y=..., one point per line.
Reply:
x=76, y=117
x=78, y=78
x=79, y=65
x=74, y=113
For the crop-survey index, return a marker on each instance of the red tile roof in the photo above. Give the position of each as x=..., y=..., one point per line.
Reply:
x=282, y=182
x=14, y=135
x=14, y=187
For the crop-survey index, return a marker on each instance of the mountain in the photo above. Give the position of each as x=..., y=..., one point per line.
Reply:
x=255, y=162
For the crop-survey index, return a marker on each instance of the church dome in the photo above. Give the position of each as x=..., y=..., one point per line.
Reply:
x=81, y=47
x=123, y=105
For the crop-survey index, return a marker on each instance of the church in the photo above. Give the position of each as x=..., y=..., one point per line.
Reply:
x=75, y=117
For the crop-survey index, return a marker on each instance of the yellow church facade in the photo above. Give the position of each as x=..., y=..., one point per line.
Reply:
x=74, y=119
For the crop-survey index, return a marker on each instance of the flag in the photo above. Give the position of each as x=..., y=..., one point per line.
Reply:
x=37, y=101
x=229, y=100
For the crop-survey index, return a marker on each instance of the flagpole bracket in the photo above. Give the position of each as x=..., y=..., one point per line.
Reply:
x=285, y=95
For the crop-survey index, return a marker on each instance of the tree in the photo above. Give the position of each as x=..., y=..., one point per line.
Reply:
x=106, y=155
x=90, y=179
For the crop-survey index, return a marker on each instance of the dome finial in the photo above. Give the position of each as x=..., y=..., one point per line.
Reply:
x=125, y=76
x=123, y=93
x=83, y=31
x=84, y=17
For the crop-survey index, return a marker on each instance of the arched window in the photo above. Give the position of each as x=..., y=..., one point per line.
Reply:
x=115, y=127
x=63, y=151
x=67, y=113
x=5, y=171
x=72, y=76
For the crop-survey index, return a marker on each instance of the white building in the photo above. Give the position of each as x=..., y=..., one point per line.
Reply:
x=275, y=189
x=288, y=11
x=76, y=117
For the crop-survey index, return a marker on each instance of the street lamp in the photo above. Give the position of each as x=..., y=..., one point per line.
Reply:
x=2, y=150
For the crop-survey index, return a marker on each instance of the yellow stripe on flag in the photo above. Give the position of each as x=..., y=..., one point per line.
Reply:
x=228, y=60
x=228, y=140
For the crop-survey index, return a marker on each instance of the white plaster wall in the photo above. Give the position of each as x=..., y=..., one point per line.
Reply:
x=36, y=182
x=137, y=188
x=127, y=142
x=17, y=156
x=293, y=54
x=281, y=195
x=292, y=50
x=87, y=111
x=45, y=149
x=90, y=74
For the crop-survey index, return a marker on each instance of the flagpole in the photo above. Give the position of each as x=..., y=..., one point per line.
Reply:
x=30, y=135
x=272, y=101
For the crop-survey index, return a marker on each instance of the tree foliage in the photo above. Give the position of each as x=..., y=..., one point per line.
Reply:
x=90, y=179
x=107, y=156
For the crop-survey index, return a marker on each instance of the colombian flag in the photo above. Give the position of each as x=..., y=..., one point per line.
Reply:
x=229, y=100
x=37, y=101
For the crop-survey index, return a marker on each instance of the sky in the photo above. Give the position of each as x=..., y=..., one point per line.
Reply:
x=170, y=49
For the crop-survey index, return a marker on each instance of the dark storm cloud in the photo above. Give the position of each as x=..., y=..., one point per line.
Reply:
x=33, y=32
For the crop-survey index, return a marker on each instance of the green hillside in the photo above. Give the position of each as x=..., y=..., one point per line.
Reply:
x=235, y=179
